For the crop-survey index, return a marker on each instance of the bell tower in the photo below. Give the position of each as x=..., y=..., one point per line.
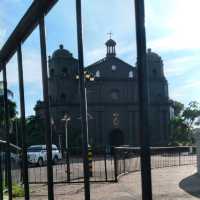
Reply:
x=110, y=44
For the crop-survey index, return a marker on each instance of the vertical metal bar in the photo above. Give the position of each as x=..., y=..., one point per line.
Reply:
x=68, y=166
x=46, y=109
x=124, y=163
x=143, y=100
x=8, y=160
x=23, y=124
x=1, y=176
x=83, y=101
x=105, y=164
x=115, y=163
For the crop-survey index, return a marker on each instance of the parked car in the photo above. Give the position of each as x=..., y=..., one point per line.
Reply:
x=37, y=154
x=14, y=158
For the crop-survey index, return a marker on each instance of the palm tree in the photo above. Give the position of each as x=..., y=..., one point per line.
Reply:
x=11, y=106
x=10, y=93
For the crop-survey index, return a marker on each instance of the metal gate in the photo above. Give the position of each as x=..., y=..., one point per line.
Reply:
x=35, y=16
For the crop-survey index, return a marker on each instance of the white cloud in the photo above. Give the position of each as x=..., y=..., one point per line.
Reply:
x=180, y=25
x=31, y=67
x=176, y=41
x=185, y=91
x=180, y=65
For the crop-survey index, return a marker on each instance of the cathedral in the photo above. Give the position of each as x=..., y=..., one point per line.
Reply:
x=112, y=99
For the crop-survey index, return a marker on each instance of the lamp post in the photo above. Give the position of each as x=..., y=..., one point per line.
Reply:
x=89, y=77
x=66, y=119
x=52, y=126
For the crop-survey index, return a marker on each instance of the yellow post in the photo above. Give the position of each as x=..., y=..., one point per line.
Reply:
x=90, y=160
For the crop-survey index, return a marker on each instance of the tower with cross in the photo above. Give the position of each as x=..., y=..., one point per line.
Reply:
x=110, y=44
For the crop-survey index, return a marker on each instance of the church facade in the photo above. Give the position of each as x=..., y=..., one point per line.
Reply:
x=112, y=99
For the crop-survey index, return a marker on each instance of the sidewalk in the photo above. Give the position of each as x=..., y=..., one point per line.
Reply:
x=175, y=183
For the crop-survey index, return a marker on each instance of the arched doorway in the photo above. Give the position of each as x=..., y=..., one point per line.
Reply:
x=116, y=137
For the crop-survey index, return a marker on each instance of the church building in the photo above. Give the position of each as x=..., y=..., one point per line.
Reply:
x=112, y=99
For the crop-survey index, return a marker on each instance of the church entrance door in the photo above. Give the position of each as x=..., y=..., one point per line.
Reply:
x=116, y=137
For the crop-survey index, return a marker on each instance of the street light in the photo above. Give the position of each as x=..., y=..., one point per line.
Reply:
x=89, y=77
x=66, y=119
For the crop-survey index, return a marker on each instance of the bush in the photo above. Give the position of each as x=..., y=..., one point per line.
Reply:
x=17, y=190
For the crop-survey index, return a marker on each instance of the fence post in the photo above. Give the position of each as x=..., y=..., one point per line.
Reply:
x=68, y=166
x=105, y=164
x=7, y=153
x=23, y=124
x=115, y=164
x=83, y=101
x=90, y=158
x=143, y=93
x=124, y=163
x=1, y=176
x=46, y=109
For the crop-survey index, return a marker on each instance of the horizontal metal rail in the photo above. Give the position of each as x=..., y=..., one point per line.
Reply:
x=12, y=145
x=156, y=149
x=25, y=27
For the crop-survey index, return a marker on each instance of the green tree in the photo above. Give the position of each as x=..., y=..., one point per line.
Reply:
x=11, y=105
x=12, y=112
x=179, y=133
x=35, y=130
x=191, y=113
x=11, y=109
x=178, y=108
x=182, y=123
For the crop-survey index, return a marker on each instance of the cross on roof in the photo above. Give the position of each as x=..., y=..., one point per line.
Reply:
x=110, y=34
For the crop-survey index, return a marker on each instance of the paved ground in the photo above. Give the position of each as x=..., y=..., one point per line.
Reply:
x=174, y=183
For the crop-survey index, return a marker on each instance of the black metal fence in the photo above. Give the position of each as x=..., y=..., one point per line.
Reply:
x=16, y=164
x=116, y=163
x=102, y=169
x=128, y=158
x=108, y=165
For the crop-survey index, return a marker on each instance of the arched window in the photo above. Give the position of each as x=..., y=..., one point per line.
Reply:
x=97, y=74
x=114, y=67
x=130, y=74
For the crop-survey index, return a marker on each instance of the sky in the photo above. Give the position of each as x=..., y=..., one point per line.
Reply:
x=172, y=31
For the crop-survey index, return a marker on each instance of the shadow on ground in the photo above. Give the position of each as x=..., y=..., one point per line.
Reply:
x=191, y=185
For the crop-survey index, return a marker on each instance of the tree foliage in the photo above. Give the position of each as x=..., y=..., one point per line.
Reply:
x=182, y=123
x=35, y=130
x=11, y=110
x=178, y=108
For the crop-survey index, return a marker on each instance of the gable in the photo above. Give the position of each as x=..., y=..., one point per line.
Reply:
x=112, y=68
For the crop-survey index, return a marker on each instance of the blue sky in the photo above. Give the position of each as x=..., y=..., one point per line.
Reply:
x=171, y=26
